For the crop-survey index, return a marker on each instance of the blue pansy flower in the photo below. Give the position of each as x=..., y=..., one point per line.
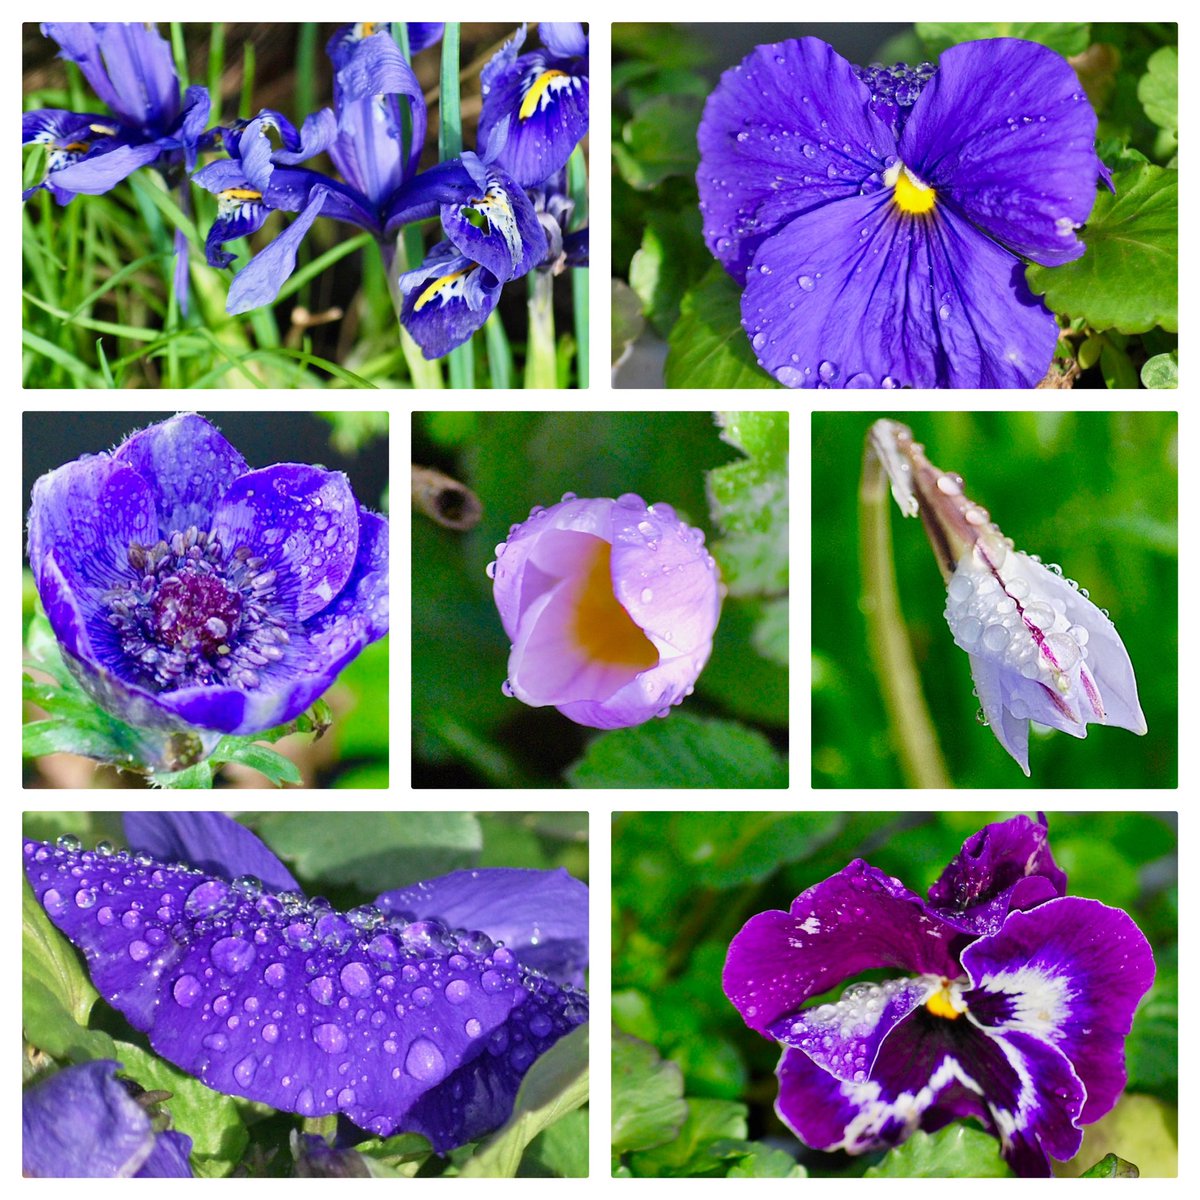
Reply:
x=878, y=218
x=542, y=99
x=84, y=1123
x=421, y=1012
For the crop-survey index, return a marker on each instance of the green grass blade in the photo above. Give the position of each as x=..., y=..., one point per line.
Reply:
x=179, y=51
x=577, y=181
x=216, y=68
x=83, y=375
x=499, y=352
x=248, y=62
x=462, y=358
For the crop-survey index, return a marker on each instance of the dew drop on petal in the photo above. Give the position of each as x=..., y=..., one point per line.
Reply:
x=187, y=990
x=425, y=1061
x=330, y=1038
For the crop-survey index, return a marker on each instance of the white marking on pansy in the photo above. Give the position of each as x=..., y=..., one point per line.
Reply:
x=1040, y=1000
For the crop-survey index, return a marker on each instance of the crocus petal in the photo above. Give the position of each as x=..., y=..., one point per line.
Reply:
x=191, y=466
x=860, y=294
x=81, y=1123
x=259, y=281
x=1023, y=167
x=333, y=1013
x=212, y=841
x=854, y=921
x=303, y=520
x=611, y=606
x=1005, y=866
x=1070, y=972
x=100, y=173
x=446, y=300
x=542, y=916
x=785, y=131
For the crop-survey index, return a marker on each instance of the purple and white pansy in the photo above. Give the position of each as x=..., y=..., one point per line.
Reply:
x=1007, y=1001
x=421, y=1012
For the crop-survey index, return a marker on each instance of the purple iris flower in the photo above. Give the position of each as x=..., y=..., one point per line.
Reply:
x=878, y=218
x=611, y=606
x=83, y=1123
x=1040, y=649
x=542, y=98
x=189, y=592
x=1009, y=1001
x=392, y=1013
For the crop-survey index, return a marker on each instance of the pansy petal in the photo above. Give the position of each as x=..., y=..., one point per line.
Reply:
x=511, y=241
x=303, y=520
x=288, y=1002
x=857, y=920
x=100, y=173
x=81, y=1123
x=170, y=1158
x=1023, y=167
x=212, y=841
x=189, y=464
x=1070, y=972
x=1006, y=865
x=787, y=130
x=542, y=916
x=859, y=294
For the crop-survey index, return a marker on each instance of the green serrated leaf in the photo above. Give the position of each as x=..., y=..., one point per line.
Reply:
x=1112, y=1167
x=756, y=1160
x=555, y=1085
x=659, y=140
x=956, y=1152
x=771, y=633
x=680, y=751
x=1158, y=89
x=708, y=346
x=689, y=1152
x=1161, y=371
x=648, y=1108
x=1067, y=37
x=1128, y=279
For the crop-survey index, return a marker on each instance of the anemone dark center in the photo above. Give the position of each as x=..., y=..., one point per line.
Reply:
x=894, y=90
x=196, y=615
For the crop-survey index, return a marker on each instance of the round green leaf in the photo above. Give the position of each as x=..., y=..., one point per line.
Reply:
x=1158, y=89
x=956, y=1152
x=1161, y=371
x=659, y=141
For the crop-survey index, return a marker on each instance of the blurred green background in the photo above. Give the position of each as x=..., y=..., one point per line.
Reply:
x=1096, y=493
x=465, y=731
x=685, y=883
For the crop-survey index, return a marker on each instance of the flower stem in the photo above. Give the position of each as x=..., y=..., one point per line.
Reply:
x=541, y=364
x=422, y=372
x=462, y=358
x=577, y=175
x=912, y=729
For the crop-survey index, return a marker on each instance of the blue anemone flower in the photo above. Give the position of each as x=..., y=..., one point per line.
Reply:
x=421, y=1012
x=878, y=218
x=542, y=98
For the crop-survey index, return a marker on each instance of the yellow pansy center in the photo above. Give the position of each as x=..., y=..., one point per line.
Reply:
x=909, y=194
x=946, y=1002
x=602, y=629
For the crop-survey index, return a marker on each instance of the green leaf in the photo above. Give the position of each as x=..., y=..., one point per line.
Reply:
x=1158, y=89
x=1111, y=1167
x=1128, y=278
x=561, y=1150
x=671, y=257
x=555, y=1085
x=1117, y=367
x=688, y=1154
x=755, y=1160
x=1152, y=1048
x=680, y=751
x=659, y=140
x=749, y=500
x=374, y=851
x=278, y=769
x=708, y=346
x=648, y=1108
x=956, y=1152
x=1161, y=371
x=51, y=962
x=627, y=319
x=399, y=1156
x=738, y=677
x=771, y=633
x=1067, y=38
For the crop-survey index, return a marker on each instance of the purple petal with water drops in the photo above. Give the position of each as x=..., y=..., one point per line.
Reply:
x=857, y=920
x=787, y=130
x=285, y=1001
x=81, y=1122
x=540, y=915
x=211, y=841
x=1023, y=165
x=360, y=611
x=1005, y=866
x=189, y=464
x=1070, y=972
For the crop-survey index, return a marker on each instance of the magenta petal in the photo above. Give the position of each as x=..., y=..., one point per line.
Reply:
x=857, y=920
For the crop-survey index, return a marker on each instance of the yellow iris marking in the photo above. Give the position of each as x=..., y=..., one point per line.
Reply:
x=912, y=197
x=107, y=130
x=240, y=194
x=368, y=28
x=436, y=286
x=603, y=630
x=530, y=103
x=942, y=1004
x=76, y=146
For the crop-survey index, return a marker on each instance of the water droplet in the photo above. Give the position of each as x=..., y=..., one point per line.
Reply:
x=422, y=997
x=457, y=990
x=321, y=989
x=473, y=1028
x=944, y=311
x=356, y=979
x=490, y=570
x=540, y=1024
x=85, y=897
x=275, y=975
x=425, y=1061
x=806, y=283
x=828, y=371
x=187, y=990
x=330, y=1038
x=233, y=954
x=244, y=1071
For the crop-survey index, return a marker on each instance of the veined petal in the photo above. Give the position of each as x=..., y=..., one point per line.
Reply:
x=360, y=610
x=142, y=70
x=446, y=300
x=861, y=294
x=857, y=920
x=101, y=172
x=1069, y=972
x=565, y=39
x=1022, y=165
x=787, y=130
x=259, y=281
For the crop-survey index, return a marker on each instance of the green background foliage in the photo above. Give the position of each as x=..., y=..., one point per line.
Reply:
x=349, y=858
x=1093, y=492
x=725, y=474
x=693, y=1088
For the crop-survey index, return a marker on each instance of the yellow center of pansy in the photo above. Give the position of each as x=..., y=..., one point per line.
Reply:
x=945, y=1003
x=602, y=629
x=910, y=195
